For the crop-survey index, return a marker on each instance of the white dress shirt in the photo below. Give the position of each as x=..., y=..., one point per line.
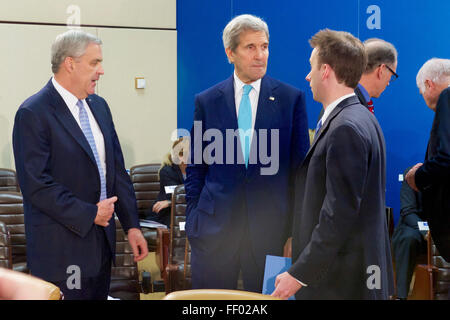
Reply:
x=71, y=102
x=253, y=96
x=333, y=105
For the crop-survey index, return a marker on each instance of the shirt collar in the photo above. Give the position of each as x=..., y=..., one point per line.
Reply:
x=68, y=97
x=333, y=105
x=238, y=84
x=364, y=92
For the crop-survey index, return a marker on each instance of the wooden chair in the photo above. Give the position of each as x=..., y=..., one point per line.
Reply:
x=11, y=213
x=125, y=277
x=177, y=272
x=5, y=247
x=390, y=221
x=145, y=179
x=8, y=180
x=432, y=280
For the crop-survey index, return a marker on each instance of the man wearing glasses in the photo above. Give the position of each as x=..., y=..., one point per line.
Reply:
x=380, y=71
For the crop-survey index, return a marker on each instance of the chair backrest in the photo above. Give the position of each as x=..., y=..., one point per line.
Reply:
x=145, y=179
x=11, y=213
x=5, y=247
x=8, y=180
x=125, y=274
x=179, y=248
x=441, y=283
x=217, y=294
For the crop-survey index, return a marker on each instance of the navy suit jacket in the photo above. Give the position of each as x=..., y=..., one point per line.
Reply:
x=433, y=177
x=340, y=225
x=60, y=183
x=223, y=198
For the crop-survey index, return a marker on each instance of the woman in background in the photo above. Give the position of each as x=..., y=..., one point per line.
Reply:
x=171, y=173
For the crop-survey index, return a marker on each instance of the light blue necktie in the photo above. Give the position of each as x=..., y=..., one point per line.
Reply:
x=245, y=121
x=319, y=125
x=86, y=128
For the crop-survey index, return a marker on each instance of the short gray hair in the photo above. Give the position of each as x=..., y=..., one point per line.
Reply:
x=379, y=52
x=239, y=24
x=436, y=70
x=72, y=43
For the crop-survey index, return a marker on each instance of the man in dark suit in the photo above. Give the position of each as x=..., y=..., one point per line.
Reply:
x=71, y=172
x=379, y=73
x=340, y=245
x=432, y=178
x=239, y=201
x=408, y=242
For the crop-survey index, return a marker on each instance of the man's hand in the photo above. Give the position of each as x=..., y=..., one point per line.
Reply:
x=105, y=210
x=138, y=244
x=285, y=286
x=411, y=176
x=287, y=250
x=158, y=206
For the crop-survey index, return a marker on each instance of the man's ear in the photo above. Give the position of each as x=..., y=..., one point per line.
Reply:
x=429, y=84
x=229, y=53
x=325, y=70
x=379, y=71
x=68, y=64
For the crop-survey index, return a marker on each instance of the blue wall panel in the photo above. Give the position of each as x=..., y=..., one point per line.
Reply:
x=418, y=29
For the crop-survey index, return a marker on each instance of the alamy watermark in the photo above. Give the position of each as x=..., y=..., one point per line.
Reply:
x=374, y=279
x=212, y=146
x=74, y=279
x=74, y=19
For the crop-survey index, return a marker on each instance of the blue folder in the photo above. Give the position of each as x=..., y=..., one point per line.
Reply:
x=274, y=266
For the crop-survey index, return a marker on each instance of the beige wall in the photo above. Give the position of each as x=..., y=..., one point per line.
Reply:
x=144, y=118
x=129, y=13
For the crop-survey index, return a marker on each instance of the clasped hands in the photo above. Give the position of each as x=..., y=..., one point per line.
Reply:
x=105, y=211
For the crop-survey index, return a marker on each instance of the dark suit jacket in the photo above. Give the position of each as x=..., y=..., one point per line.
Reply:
x=222, y=198
x=60, y=182
x=433, y=177
x=340, y=222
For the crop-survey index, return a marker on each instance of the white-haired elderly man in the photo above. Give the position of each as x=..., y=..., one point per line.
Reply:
x=71, y=172
x=432, y=178
x=239, y=207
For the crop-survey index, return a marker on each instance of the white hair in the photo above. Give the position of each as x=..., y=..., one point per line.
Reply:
x=239, y=24
x=72, y=43
x=436, y=70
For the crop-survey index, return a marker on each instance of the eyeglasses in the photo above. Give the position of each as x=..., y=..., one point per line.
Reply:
x=394, y=75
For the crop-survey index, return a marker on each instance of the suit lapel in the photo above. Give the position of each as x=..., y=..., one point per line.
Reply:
x=267, y=105
x=66, y=118
x=228, y=113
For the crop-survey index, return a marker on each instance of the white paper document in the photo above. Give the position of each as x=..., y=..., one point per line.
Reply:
x=151, y=224
x=423, y=225
x=169, y=189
